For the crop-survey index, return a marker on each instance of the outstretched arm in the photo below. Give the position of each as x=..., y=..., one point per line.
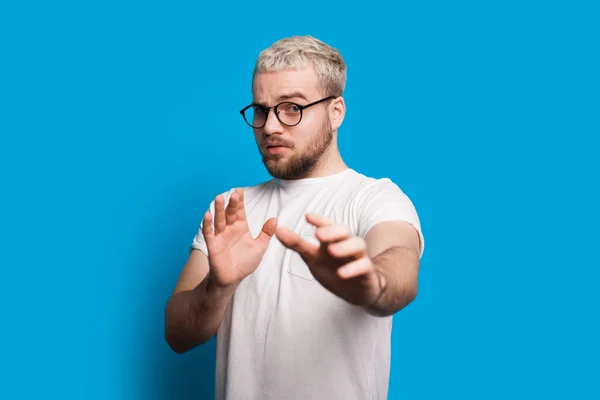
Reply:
x=378, y=272
x=207, y=283
x=196, y=307
x=394, y=247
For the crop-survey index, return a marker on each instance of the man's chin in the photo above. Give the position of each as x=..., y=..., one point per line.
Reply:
x=275, y=165
x=274, y=160
x=277, y=168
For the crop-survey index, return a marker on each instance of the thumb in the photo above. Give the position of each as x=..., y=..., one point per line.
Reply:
x=267, y=232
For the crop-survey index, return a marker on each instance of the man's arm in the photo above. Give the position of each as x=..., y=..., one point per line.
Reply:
x=205, y=288
x=196, y=307
x=394, y=247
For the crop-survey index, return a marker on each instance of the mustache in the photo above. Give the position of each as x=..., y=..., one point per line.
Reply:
x=277, y=142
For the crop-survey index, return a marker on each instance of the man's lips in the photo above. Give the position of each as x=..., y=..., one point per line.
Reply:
x=274, y=144
x=276, y=148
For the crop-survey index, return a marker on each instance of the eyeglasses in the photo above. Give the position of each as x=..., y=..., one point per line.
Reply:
x=288, y=113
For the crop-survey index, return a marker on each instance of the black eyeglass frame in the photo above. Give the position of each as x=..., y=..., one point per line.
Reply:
x=267, y=111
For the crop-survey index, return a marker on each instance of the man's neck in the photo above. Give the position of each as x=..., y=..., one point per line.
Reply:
x=330, y=164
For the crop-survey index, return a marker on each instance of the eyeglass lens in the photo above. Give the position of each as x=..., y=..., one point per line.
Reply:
x=287, y=113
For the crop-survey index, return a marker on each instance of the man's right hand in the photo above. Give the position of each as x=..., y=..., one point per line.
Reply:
x=233, y=253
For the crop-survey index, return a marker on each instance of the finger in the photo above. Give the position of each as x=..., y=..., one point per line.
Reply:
x=231, y=211
x=220, y=222
x=267, y=232
x=318, y=220
x=207, y=229
x=356, y=268
x=241, y=211
x=293, y=241
x=354, y=247
x=332, y=233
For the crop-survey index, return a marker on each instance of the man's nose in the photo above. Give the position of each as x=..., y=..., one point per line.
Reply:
x=272, y=124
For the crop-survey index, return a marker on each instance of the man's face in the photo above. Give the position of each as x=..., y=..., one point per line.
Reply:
x=292, y=152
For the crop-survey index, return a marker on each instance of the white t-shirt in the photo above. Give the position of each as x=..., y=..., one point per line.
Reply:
x=284, y=336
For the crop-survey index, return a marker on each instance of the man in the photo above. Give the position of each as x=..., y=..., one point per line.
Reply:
x=299, y=276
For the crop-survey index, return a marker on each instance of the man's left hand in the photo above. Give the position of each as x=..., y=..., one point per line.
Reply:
x=340, y=263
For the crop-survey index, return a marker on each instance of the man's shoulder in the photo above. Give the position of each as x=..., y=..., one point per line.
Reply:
x=253, y=189
x=250, y=190
x=364, y=183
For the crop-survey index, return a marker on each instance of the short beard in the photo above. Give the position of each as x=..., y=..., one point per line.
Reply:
x=301, y=165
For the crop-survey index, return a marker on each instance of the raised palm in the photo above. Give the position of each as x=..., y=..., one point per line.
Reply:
x=233, y=253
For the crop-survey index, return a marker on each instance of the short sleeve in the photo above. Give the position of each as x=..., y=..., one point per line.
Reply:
x=382, y=200
x=198, y=243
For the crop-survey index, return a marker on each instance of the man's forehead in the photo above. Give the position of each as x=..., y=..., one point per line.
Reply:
x=284, y=85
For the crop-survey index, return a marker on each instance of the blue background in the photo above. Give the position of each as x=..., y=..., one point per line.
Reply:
x=119, y=123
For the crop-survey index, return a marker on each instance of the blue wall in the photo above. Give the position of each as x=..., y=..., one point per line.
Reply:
x=119, y=123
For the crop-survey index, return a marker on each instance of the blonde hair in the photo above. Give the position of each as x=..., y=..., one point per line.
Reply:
x=297, y=52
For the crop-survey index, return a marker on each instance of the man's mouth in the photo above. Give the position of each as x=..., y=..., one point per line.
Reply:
x=276, y=148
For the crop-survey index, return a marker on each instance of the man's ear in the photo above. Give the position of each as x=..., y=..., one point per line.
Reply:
x=337, y=112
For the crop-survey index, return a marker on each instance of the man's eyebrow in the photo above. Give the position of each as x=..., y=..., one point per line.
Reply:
x=292, y=95
x=283, y=97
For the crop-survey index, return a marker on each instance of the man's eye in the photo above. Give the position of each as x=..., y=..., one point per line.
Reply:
x=291, y=108
x=259, y=110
